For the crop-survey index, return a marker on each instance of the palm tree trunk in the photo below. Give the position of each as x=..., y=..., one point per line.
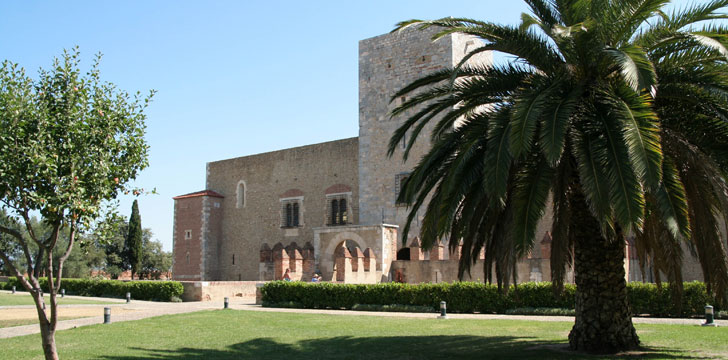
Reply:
x=603, y=318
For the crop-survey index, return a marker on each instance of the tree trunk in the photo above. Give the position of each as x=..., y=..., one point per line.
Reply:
x=47, y=331
x=603, y=318
x=48, y=338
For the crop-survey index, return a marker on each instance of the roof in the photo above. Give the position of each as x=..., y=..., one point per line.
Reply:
x=199, y=193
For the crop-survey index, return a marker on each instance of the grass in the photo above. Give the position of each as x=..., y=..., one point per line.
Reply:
x=22, y=298
x=229, y=334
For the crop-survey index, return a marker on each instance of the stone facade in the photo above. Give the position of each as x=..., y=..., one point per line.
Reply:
x=196, y=234
x=331, y=208
x=256, y=188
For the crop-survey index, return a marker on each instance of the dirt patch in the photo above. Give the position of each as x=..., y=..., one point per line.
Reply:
x=75, y=312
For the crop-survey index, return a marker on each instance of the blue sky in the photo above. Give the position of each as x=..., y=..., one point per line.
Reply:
x=234, y=78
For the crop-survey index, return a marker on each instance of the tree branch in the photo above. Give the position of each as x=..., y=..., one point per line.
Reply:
x=17, y=235
x=62, y=260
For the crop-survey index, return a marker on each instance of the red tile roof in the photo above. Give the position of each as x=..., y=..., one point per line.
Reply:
x=199, y=193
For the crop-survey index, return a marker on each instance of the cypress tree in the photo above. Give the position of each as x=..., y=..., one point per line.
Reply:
x=134, y=241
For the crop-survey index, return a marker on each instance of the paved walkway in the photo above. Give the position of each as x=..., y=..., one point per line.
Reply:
x=137, y=310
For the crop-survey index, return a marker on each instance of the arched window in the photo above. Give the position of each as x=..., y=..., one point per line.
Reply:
x=334, y=212
x=295, y=214
x=240, y=193
x=289, y=214
x=337, y=210
x=342, y=212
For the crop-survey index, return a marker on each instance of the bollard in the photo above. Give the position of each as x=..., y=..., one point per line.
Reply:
x=227, y=301
x=128, y=297
x=13, y=289
x=63, y=293
x=107, y=315
x=709, y=316
x=443, y=310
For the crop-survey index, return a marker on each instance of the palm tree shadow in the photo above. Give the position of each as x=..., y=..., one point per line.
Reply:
x=393, y=347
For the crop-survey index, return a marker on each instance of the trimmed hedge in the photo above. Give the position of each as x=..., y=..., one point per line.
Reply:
x=469, y=297
x=140, y=290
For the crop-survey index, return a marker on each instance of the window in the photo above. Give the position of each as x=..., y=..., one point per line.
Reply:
x=188, y=234
x=188, y=258
x=233, y=259
x=291, y=213
x=338, y=211
x=399, y=182
x=240, y=194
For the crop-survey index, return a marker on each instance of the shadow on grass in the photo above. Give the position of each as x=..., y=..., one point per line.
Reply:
x=404, y=347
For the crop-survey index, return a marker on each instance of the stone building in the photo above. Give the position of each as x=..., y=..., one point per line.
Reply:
x=330, y=207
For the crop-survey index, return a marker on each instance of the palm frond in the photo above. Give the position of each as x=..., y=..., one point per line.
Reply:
x=635, y=67
x=532, y=186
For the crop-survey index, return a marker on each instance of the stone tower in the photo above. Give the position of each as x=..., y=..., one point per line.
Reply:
x=386, y=64
x=196, y=235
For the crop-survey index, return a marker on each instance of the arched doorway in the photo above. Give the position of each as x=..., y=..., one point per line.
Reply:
x=340, y=262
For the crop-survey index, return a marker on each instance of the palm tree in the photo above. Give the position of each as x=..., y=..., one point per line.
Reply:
x=614, y=111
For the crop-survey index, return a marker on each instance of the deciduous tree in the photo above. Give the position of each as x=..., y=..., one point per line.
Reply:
x=69, y=142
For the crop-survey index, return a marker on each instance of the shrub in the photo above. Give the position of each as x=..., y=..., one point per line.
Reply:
x=393, y=308
x=140, y=290
x=471, y=297
x=541, y=311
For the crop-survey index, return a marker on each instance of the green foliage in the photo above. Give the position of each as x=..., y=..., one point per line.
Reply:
x=140, y=290
x=471, y=297
x=133, y=252
x=393, y=308
x=541, y=311
x=607, y=100
x=155, y=261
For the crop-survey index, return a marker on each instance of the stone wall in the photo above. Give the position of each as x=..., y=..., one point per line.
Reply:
x=379, y=239
x=191, y=234
x=244, y=291
x=309, y=174
x=386, y=64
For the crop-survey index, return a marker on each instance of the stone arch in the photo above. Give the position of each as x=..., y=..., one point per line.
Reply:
x=342, y=237
x=240, y=194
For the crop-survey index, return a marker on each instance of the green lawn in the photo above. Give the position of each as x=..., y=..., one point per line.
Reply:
x=230, y=334
x=23, y=298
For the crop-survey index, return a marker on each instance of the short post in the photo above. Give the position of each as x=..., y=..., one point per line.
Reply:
x=709, y=316
x=13, y=289
x=63, y=293
x=128, y=297
x=227, y=302
x=443, y=310
x=107, y=315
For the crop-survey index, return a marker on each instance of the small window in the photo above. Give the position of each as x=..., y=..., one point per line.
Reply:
x=334, y=212
x=295, y=214
x=338, y=211
x=188, y=258
x=291, y=212
x=188, y=234
x=240, y=195
x=233, y=259
x=399, y=182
